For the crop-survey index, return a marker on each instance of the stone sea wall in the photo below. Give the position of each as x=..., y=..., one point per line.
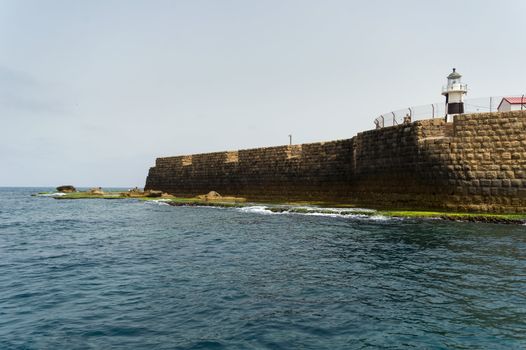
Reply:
x=476, y=163
x=317, y=171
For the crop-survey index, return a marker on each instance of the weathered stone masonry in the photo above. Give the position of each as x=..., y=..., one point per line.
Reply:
x=476, y=163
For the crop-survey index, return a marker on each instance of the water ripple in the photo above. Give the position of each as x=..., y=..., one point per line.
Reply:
x=122, y=274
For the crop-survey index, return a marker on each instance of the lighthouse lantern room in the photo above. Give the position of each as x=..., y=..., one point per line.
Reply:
x=454, y=92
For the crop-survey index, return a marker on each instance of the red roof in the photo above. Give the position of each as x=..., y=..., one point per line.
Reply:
x=515, y=100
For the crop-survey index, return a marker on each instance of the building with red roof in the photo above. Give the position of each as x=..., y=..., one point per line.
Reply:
x=512, y=104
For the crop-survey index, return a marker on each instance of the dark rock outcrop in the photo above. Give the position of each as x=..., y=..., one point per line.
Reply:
x=66, y=189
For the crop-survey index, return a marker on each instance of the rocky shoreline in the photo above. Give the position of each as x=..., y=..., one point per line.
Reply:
x=514, y=219
x=214, y=199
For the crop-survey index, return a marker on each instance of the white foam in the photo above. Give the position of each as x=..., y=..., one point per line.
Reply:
x=56, y=194
x=381, y=218
x=159, y=202
x=335, y=215
x=348, y=213
x=258, y=209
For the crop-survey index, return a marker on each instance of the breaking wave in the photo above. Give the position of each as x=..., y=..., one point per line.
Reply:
x=258, y=209
x=369, y=214
x=159, y=202
x=56, y=194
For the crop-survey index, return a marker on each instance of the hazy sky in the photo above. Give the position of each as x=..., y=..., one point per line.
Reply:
x=91, y=92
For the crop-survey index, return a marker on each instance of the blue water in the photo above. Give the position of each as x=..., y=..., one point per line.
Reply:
x=124, y=274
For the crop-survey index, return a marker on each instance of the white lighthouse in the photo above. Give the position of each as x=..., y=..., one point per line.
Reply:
x=454, y=92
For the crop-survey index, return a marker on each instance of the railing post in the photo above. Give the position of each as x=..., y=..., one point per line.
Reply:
x=433, y=107
x=522, y=102
x=394, y=119
x=491, y=104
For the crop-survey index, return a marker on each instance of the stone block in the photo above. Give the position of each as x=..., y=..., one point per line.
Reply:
x=516, y=183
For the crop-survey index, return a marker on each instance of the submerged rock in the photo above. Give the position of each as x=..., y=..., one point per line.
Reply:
x=66, y=189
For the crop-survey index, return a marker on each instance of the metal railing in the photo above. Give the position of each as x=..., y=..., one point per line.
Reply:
x=455, y=87
x=438, y=110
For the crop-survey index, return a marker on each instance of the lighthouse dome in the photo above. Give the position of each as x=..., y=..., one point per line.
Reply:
x=454, y=74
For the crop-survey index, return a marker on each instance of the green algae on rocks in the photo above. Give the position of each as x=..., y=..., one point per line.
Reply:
x=291, y=208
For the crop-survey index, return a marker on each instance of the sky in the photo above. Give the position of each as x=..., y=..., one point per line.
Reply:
x=91, y=92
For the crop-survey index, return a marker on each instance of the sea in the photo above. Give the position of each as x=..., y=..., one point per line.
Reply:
x=129, y=274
